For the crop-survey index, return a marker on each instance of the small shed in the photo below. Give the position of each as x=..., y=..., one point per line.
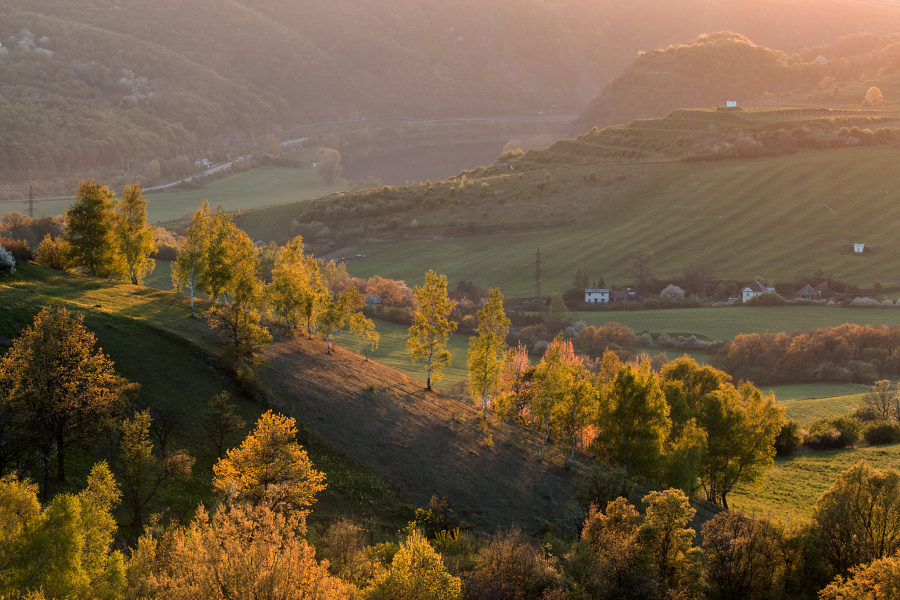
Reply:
x=731, y=104
x=859, y=248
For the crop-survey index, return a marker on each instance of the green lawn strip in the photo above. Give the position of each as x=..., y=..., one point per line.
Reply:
x=250, y=189
x=791, y=488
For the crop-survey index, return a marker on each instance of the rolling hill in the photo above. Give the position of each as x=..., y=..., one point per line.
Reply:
x=100, y=83
x=385, y=444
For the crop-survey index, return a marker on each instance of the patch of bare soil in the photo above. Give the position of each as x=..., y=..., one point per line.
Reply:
x=421, y=442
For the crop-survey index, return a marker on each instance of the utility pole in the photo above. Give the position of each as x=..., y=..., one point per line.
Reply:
x=537, y=279
x=30, y=196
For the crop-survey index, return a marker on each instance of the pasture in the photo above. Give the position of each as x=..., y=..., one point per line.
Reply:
x=242, y=191
x=790, y=489
x=772, y=217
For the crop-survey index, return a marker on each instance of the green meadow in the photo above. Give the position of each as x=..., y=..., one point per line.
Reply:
x=250, y=189
x=771, y=217
x=790, y=489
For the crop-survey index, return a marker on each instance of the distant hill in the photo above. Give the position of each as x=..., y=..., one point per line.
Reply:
x=727, y=66
x=101, y=82
x=779, y=193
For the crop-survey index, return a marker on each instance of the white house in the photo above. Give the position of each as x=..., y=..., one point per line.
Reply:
x=859, y=248
x=594, y=295
x=731, y=104
x=755, y=289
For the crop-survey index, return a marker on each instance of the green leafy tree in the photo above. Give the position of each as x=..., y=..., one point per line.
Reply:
x=63, y=550
x=189, y=268
x=313, y=297
x=858, y=519
x=487, y=349
x=328, y=164
x=270, y=467
x=90, y=231
x=741, y=426
x=338, y=314
x=417, y=573
x=363, y=329
x=431, y=327
x=669, y=542
x=135, y=237
x=216, y=277
x=633, y=420
x=67, y=392
x=221, y=423
x=289, y=282
x=142, y=471
x=239, y=320
x=609, y=562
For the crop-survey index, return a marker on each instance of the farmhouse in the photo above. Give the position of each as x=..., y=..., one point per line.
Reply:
x=596, y=295
x=755, y=289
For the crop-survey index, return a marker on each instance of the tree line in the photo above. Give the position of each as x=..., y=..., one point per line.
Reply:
x=849, y=352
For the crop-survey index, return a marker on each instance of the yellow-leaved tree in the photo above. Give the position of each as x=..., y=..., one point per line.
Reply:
x=487, y=349
x=270, y=468
x=417, y=572
x=134, y=236
x=431, y=327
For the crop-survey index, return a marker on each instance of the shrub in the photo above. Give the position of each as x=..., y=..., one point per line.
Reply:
x=54, y=253
x=672, y=292
x=882, y=432
x=829, y=434
x=19, y=249
x=7, y=262
x=789, y=438
x=766, y=300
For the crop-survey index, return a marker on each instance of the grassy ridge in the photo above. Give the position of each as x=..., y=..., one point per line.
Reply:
x=152, y=340
x=774, y=217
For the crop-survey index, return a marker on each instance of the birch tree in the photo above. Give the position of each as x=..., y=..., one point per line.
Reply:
x=135, y=237
x=487, y=348
x=189, y=267
x=431, y=328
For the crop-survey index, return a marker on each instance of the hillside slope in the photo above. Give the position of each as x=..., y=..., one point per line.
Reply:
x=420, y=444
x=135, y=80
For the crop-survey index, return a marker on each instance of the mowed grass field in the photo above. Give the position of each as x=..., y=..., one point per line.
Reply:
x=250, y=189
x=790, y=489
x=771, y=217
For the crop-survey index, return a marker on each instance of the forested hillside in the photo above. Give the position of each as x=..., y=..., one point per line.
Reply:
x=100, y=83
x=727, y=66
